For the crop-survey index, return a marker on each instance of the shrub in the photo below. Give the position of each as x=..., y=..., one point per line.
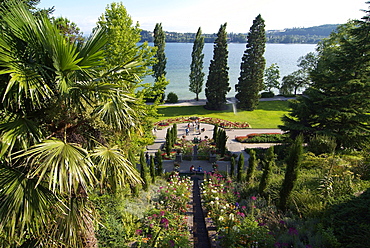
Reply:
x=268, y=94
x=261, y=138
x=172, y=98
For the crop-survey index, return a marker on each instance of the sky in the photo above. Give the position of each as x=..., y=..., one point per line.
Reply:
x=188, y=15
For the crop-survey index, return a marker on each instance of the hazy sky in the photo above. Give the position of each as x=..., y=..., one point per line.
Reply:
x=188, y=15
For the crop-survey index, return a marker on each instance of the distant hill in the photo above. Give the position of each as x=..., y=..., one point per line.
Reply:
x=311, y=35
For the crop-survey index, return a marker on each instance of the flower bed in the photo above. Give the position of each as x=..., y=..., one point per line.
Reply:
x=261, y=138
x=166, y=225
x=207, y=120
x=236, y=225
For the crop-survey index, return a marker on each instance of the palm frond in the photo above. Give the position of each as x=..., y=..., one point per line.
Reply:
x=118, y=113
x=113, y=168
x=25, y=204
x=64, y=166
x=18, y=133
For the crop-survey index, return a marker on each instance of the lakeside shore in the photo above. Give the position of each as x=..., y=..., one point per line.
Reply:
x=193, y=102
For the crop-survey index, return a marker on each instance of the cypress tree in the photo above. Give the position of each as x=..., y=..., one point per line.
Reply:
x=215, y=131
x=196, y=76
x=144, y=173
x=222, y=142
x=159, y=68
x=174, y=134
x=152, y=168
x=158, y=155
x=217, y=85
x=232, y=166
x=252, y=67
x=269, y=163
x=168, y=145
x=240, y=167
x=294, y=161
x=252, y=165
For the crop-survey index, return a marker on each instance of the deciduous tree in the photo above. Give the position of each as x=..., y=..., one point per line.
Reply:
x=272, y=76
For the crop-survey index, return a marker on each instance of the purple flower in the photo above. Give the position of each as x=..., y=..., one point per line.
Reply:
x=293, y=231
x=261, y=224
x=139, y=231
x=172, y=243
x=165, y=222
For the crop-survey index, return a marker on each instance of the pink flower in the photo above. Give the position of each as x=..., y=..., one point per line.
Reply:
x=254, y=198
x=139, y=231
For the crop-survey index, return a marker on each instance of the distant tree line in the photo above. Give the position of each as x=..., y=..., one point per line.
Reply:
x=311, y=35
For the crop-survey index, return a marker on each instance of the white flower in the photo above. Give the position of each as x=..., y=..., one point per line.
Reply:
x=235, y=228
x=217, y=198
x=212, y=202
x=231, y=216
x=221, y=218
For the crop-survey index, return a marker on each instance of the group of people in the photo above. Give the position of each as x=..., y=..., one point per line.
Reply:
x=196, y=126
x=193, y=169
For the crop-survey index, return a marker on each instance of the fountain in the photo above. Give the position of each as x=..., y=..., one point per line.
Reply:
x=233, y=102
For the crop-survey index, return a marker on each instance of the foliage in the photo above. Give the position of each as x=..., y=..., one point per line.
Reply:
x=236, y=225
x=61, y=115
x=252, y=67
x=319, y=144
x=336, y=104
x=240, y=168
x=159, y=68
x=261, y=138
x=232, y=166
x=158, y=159
x=172, y=98
x=196, y=76
x=293, y=82
x=349, y=221
x=293, y=161
x=252, y=167
x=217, y=84
x=272, y=75
x=268, y=165
x=69, y=29
x=208, y=120
x=144, y=171
x=268, y=94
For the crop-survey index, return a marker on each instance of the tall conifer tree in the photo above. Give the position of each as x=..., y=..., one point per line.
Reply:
x=294, y=161
x=217, y=85
x=252, y=67
x=196, y=76
x=159, y=68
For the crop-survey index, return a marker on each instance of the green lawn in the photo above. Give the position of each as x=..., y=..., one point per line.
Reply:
x=268, y=114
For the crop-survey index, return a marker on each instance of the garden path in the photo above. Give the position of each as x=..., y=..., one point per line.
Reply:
x=200, y=233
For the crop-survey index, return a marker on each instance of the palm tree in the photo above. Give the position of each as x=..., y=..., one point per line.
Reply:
x=55, y=97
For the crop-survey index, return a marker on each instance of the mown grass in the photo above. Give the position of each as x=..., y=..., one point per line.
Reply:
x=267, y=115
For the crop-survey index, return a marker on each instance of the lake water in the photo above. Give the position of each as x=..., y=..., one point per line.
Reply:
x=179, y=59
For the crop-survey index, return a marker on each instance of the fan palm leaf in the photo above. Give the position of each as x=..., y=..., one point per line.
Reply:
x=32, y=205
x=114, y=169
x=65, y=167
